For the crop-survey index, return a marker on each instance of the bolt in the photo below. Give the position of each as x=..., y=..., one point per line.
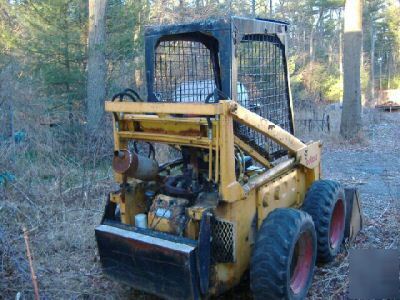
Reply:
x=120, y=154
x=233, y=106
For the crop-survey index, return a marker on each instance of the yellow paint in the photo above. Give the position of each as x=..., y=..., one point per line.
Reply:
x=163, y=108
x=285, y=191
x=253, y=153
x=245, y=209
x=131, y=202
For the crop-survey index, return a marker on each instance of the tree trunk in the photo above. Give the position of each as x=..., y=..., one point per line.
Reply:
x=96, y=85
x=372, y=68
x=340, y=50
x=270, y=8
x=350, y=124
x=311, y=47
x=304, y=47
x=63, y=14
x=6, y=101
x=389, y=63
x=181, y=11
x=341, y=56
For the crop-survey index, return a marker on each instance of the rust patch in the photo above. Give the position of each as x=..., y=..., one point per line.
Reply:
x=219, y=286
x=190, y=115
x=188, y=132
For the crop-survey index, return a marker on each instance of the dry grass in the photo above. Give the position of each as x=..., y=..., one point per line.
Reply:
x=61, y=179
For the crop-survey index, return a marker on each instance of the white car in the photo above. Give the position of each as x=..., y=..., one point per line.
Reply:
x=198, y=91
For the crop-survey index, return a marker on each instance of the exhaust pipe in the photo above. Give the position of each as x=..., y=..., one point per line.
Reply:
x=134, y=165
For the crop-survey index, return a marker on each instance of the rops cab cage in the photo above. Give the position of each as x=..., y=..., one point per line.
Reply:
x=236, y=58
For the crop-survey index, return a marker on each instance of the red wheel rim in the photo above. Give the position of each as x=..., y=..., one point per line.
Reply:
x=300, y=265
x=337, y=224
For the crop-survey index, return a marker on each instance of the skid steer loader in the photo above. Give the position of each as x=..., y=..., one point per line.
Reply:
x=238, y=191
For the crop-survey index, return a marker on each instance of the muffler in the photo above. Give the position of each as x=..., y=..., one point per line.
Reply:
x=134, y=166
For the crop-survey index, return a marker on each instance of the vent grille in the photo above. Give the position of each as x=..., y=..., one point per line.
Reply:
x=263, y=89
x=223, y=241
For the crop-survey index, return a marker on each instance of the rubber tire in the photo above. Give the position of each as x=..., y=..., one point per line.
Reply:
x=320, y=202
x=270, y=266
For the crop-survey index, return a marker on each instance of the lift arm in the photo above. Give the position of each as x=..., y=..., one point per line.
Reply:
x=271, y=130
x=308, y=155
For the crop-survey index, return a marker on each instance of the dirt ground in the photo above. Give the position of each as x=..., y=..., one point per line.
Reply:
x=373, y=165
x=62, y=235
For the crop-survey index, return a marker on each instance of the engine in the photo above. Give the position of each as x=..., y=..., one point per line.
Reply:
x=167, y=214
x=160, y=198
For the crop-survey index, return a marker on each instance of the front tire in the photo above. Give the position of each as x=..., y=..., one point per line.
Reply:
x=326, y=204
x=282, y=264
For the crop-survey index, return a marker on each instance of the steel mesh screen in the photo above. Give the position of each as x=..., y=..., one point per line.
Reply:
x=183, y=71
x=223, y=241
x=262, y=88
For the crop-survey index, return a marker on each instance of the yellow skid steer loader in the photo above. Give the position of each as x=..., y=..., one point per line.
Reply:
x=237, y=191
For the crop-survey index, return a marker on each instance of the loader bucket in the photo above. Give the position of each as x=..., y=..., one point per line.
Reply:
x=149, y=261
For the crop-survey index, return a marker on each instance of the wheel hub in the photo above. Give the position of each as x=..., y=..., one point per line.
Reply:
x=337, y=224
x=301, y=263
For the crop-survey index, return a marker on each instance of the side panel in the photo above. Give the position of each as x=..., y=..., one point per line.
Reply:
x=287, y=190
x=242, y=214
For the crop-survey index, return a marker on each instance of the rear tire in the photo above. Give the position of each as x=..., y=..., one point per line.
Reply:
x=283, y=259
x=326, y=204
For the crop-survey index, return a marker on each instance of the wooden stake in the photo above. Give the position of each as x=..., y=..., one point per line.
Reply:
x=28, y=254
